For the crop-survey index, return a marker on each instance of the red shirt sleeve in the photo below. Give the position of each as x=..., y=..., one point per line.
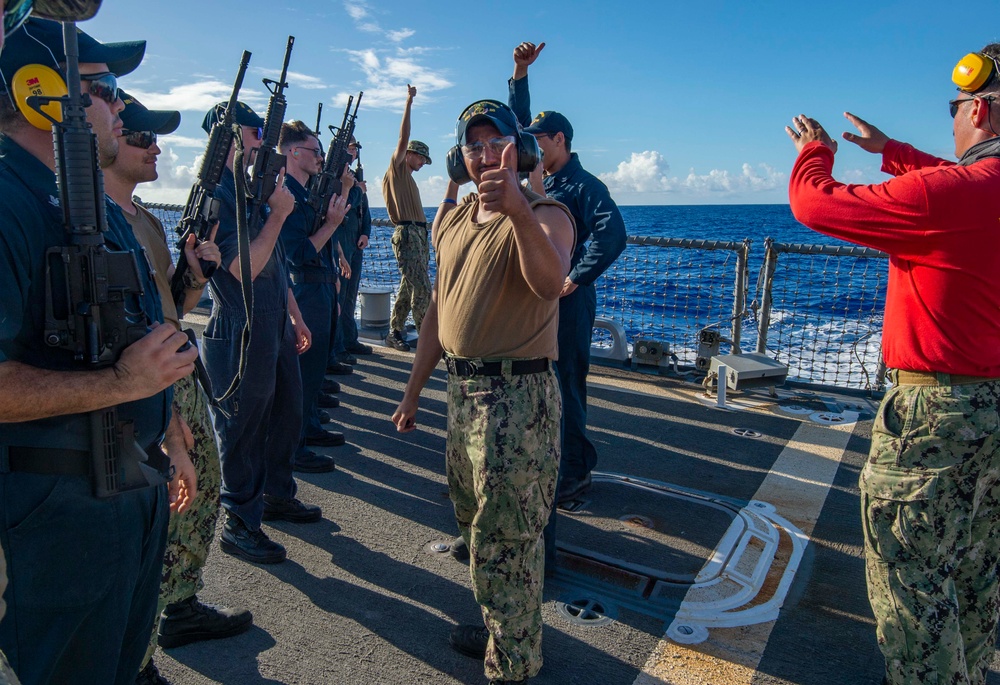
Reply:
x=899, y=158
x=886, y=216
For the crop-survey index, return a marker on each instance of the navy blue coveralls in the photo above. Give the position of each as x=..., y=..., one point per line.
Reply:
x=84, y=571
x=357, y=222
x=600, y=239
x=314, y=283
x=259, y=437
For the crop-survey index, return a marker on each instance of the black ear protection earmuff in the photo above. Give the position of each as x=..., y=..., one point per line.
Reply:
x=528, y=154
x=38, y=80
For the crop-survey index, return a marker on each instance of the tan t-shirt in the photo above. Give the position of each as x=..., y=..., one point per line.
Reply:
x=486, y=310
x=149, y=232
x=402, y=197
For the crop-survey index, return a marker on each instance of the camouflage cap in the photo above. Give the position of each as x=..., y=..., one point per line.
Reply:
x=420, y=148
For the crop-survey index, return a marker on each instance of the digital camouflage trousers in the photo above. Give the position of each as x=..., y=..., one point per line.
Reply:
x=930, y=498
x=190, y=534
x=502, y=463
x=409, y=244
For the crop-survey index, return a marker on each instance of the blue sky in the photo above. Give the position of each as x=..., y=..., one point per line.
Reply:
x=672, y=102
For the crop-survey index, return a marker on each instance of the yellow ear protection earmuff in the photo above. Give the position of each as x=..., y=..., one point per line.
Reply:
x=503, y=118
x=38, y=80
x=973, y=72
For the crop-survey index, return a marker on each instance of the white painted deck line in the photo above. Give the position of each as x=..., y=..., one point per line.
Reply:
x=797, y=486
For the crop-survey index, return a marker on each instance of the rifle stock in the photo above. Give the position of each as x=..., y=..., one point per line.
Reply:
x=202, y=209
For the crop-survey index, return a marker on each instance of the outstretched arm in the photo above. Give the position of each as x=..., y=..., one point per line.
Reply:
x=428, y=355
x=404, y=125
x=518, y=97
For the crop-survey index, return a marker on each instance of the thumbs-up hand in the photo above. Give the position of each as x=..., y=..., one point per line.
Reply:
x=499, y=190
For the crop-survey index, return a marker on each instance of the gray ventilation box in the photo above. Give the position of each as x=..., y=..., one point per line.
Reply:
x=750, y=370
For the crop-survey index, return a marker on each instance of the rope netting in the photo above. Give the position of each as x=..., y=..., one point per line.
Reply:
x=817, y=308
x=826, y=306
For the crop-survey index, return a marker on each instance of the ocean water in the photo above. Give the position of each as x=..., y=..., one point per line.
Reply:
x=825, y=317
x=826, y=311
x=709, y=222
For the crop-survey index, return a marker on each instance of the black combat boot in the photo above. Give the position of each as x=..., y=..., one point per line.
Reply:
x=150, y=676
x=251, y=545
x=470, y=640
x=190, y=621
x=396, y=340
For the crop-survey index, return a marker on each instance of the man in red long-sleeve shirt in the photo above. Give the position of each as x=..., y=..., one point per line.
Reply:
x=930, y=490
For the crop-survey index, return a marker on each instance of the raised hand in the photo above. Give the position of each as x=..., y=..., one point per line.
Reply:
x=805, y=130
x=526, y=53
x=206, y=250
x=499, y=189
x=411, y=92
x=281, y=202
x=871, y=139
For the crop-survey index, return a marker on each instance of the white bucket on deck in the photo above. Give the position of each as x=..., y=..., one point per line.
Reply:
x=375, y=309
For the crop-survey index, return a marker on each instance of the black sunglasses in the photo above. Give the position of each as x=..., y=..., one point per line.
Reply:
x=140, y=139
x=103, y=86
x=953, y=104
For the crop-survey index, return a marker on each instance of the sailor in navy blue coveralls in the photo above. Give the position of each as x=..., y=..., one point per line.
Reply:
x=601, y=237
x=261, y=432
x=314, y=282
x=84, y=571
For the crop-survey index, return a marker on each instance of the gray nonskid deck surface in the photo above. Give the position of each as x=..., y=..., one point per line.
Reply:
x=361, y=598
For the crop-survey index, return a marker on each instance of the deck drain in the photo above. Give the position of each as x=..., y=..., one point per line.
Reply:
x=746, y=433
x=687, y=633
x=437, y=547
x=636, y=521
x=829, y=418
x=586, y=612
x=794, y=409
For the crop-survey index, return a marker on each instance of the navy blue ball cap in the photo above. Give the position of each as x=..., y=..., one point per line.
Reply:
x=40, y=41
x=136, y=117
x=493, y=111
x=551, y=122
x=244, y=116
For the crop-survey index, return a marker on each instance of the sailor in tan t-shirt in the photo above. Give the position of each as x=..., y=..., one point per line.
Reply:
x=502, y=260
x=409, y=240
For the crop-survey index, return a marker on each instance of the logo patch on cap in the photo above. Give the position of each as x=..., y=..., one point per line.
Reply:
x=480, y=109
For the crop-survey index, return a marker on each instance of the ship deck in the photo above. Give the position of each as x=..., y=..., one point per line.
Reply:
x=734, y=532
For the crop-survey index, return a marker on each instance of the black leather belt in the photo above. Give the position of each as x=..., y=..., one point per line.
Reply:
x=313, y=277
x=48, y=462
x=421, y=224
x=468, y=368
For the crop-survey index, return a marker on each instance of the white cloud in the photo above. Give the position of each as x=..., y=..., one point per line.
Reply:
x=356, y=10
x=295, y=79
x=648, y=172
x=175, y=176
x=432, y=189
x=175, y=141
x=400, y=35
x=195, y=97
x=386, y=79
